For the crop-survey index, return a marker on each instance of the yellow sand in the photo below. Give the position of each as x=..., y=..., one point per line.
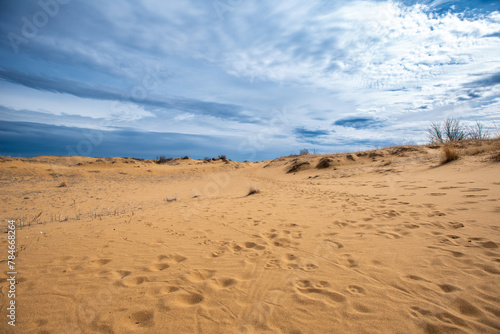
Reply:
x=391, y=242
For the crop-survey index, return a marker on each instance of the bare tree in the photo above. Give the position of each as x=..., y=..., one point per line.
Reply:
x=435, y=133
x=453, y=130
x=477, y=131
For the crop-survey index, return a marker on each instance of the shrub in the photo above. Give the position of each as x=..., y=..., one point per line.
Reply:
x=163, y=160
x=324, y=163
x=253, y=191
x=435, y=133
x=304, y=151
x=450, y=154
x=453, y=130
x=62, y=184
x=207, y=159
x=222, y=157
x=477, y=132
x=298, y=166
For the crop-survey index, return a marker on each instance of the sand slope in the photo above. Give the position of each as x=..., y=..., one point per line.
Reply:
x=378, y=242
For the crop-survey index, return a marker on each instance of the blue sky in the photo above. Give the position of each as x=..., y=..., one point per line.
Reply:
x=250, y=79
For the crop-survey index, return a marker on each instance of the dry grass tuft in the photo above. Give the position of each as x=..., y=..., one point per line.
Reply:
x=298, y=166
x=253, y=191
x=62, y=184
x=325, y=163
x=450, y=154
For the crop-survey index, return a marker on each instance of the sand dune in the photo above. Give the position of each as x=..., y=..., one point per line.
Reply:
x=387, y=241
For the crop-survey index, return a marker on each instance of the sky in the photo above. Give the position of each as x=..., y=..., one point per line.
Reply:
x=249, y=79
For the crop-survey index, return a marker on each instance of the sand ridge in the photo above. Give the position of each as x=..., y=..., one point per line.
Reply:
x=387, y=241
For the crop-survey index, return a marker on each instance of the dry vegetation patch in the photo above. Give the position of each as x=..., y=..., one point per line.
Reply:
x=298, y=166
x=450, y=154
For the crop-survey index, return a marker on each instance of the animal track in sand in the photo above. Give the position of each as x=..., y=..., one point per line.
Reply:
x=338, y=245
x=455, y=225
x=282, y=238
x=466, y=308
x=168, y=289
x=309, y=267
x=133, y=281
x=351, y=263
x=120, y=274
x=224, y=282
x=141, y=319
x=101, y=262
x=445, y=319
x=159, y=267
x=308, y=287
x=187, y=299
x=356, y=290
x=199, y=275
x=218, y=253
x=417, y=278
x=272, y=264
x=171, y=258
x=448, y=288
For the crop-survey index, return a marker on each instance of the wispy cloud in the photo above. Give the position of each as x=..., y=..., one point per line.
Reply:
x=342, y=68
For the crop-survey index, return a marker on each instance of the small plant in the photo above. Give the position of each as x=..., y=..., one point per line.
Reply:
x=62, y=184
x=222, y=157
x=163, y=160
x=304, y=151
x=170, y=199
x=185, y=157
x=450, y=154
x=207, y=159
x=253, y=191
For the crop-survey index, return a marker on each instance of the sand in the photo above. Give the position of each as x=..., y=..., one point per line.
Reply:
x=388, y=241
